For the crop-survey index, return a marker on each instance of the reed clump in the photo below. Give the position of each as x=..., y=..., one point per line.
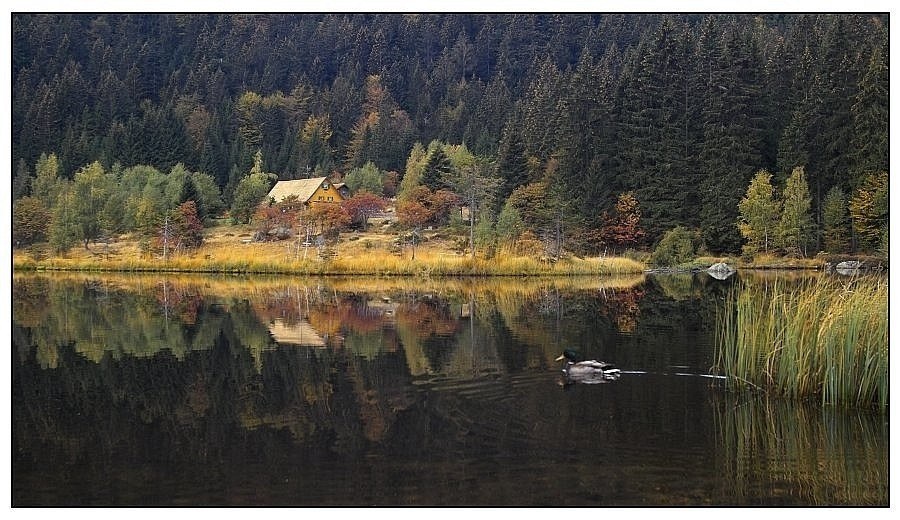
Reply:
x=826, y=339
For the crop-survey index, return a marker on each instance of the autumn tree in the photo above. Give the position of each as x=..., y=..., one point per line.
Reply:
x=530, y=202
x=869, y=210
x=278, y=217
x=835, y=221
x=181, y=229
x=623, y=229
x=363, y=205
x=415, y=166
x=391, y=183
x=30, y=220
x=314, y=144
x=326, y=218
x=441, y=204
x=796, y=224
x=46, y=184
x=759, y=213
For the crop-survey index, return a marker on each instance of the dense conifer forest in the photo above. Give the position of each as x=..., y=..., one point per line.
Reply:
x=678, y=112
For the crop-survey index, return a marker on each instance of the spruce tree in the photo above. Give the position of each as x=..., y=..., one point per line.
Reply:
x=437, y=166
x=512, y=162
x=836, y=229
x=869, y=113
x=869, y=210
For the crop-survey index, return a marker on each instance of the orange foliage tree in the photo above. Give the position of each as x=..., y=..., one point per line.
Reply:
x=362, y=205
x=623, y=229
x=327, y=218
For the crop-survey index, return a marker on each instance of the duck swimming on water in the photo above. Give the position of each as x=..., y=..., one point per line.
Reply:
x=586, y=371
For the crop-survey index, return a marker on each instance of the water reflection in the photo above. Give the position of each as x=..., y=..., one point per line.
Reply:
x=824, y=455
x=398, y=391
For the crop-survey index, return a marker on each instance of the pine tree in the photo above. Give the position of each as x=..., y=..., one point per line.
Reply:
x=436, y=168
x=512, y=162
x=22, y=178
x=835, y=235
x=733, y=123
x=656, y=112
x=869, y=113
x=869, y=210
x=539, y=110
x=587, y=151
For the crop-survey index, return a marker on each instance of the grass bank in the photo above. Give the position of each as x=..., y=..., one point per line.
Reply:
x=826, y=339
x=373, y=265
x=231, y=252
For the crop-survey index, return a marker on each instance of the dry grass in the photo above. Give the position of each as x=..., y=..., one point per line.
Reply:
x=230, y=250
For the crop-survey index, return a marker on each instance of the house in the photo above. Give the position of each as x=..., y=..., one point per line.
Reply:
x=309, y=191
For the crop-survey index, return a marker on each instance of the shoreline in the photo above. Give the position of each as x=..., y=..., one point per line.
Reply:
x=506, y=267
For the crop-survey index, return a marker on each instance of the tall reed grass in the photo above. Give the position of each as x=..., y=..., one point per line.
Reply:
x=826, y=339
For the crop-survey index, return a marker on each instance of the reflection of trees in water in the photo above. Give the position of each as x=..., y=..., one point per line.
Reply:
x=820, y=455
x=540, y=317
x=622, y=308
x=448, y=333
x=113, y=380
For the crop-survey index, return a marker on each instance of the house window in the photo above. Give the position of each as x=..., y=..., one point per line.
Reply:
x=325, y=185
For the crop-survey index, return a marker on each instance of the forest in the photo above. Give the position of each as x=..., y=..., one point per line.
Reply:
x=580, y=123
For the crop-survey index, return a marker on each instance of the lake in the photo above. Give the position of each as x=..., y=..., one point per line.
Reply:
x=165, y=390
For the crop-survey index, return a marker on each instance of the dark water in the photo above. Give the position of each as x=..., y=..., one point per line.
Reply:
x=293, y=391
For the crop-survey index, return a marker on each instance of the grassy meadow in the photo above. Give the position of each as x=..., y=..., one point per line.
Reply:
x=229, y=249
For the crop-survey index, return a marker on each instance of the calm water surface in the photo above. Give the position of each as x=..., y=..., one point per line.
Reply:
x=158, y=390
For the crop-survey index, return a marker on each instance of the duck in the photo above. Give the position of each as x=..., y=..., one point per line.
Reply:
x=586, y=371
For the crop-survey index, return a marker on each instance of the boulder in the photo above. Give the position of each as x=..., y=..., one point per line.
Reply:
x=848, y=267
x=282, y=233
x=720, y=271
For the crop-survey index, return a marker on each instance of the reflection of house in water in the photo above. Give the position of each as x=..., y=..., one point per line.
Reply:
x=299, y=332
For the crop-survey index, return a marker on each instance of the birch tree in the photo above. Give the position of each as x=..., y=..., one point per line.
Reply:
x=759, y=211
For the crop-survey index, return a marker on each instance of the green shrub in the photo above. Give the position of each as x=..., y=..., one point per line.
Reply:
x=676, y=247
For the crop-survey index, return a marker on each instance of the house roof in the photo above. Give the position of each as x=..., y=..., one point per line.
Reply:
x=298, y=333
x=302, y=188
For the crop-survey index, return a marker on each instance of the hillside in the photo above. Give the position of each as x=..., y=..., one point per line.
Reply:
x=680, y=110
